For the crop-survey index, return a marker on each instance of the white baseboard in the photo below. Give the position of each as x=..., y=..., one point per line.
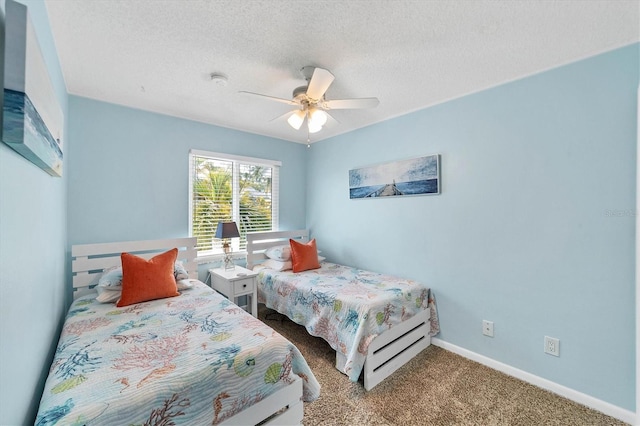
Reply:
x=579, y=397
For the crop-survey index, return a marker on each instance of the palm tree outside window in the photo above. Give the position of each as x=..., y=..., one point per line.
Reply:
x=225, y=188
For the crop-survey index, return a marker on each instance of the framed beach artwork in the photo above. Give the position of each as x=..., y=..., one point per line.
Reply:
x=416, y=176
x=32, y=118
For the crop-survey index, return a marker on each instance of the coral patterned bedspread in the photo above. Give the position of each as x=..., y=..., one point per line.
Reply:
x=345, y=306
x=192, y=359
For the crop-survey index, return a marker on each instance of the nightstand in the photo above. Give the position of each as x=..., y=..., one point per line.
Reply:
x=232, y=285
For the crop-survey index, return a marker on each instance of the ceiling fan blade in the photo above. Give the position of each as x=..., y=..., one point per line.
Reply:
x=332, y=119
x=351, y=103
x=319, y=83
x=282, y=117
x=284, y=101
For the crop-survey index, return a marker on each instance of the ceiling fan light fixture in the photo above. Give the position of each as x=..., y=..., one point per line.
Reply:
x=318, y=117
x=313, y=127
x=310, y=102
x=296, y=119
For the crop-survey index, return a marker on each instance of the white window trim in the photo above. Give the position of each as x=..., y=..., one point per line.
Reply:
x=208, y=257
x=238, y=158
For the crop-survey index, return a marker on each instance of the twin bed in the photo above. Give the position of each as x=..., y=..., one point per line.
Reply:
x=375, y=322
x=197, y=358
x=192, y=359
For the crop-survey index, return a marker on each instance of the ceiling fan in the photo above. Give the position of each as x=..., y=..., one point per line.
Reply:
x=311, y=104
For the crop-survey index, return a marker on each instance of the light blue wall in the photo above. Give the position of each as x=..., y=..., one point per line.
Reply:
x=523, y=233
x=534, y=228
x=33, y=242
x=129, y=171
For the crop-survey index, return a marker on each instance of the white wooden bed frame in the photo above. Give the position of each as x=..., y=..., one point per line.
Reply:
x=387, y=352
x=284, y=407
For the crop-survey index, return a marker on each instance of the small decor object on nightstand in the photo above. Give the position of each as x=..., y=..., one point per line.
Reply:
x=225, y=231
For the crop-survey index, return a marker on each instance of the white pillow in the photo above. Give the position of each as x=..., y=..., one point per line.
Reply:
x=179, y=272
x=281, y=253
x=109, y=294
x=111, y=277
x=184, y=284
x=277, y=265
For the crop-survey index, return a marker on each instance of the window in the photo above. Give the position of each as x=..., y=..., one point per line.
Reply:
x=226, y=188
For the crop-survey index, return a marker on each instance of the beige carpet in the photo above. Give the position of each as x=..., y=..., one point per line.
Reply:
x=435, y=388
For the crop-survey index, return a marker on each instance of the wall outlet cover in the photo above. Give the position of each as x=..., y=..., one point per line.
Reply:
x=552, y=346
x=487, y=328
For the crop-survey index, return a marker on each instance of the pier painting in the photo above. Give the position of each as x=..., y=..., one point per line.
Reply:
x=417, y=176
x=25, y=132
x=32, y=118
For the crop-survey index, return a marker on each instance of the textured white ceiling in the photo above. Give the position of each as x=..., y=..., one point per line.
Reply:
x=158, y=55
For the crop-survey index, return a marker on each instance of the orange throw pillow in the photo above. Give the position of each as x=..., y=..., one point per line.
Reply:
x=144, y=280
x=304, y=256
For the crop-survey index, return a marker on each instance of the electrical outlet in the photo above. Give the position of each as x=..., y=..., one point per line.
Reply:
x=487, y=328
x=552, y=346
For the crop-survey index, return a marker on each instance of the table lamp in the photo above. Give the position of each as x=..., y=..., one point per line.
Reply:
x=225, y=231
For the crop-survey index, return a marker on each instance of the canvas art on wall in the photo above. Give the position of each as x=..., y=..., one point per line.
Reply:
x=417, y=176
x=32, y=119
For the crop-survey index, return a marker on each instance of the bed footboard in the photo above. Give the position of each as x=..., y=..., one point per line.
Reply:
x=395, y=347
x=284, y=407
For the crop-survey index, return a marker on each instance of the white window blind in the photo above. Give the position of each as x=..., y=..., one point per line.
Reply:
x=226, y=188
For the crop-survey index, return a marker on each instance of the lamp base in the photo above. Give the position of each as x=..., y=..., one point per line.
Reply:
x=228, y=262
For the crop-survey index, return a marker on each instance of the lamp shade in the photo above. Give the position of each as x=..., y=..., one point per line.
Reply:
x=296, y=119
x=318, y=117
x=227, y=230
x=313, y=127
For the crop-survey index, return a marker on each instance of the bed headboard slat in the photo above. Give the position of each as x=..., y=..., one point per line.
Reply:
x=129, y=246
x=258, y=242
